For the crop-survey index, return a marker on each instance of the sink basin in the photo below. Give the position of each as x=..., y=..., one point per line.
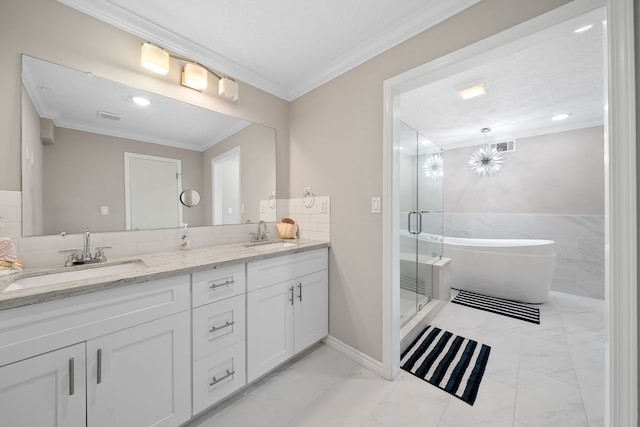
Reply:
x=89, y=271
x=267, y=246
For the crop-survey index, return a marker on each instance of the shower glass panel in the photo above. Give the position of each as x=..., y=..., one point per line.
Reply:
x=421, y=218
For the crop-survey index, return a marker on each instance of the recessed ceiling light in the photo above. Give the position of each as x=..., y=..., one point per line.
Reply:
x=143, y=102
x=583, y=29
x=472, y=91
x=561, y=116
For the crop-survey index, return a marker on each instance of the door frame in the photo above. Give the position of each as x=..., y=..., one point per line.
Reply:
x=621, y=362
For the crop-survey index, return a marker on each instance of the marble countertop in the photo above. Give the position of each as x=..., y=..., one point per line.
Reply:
x=158, y=266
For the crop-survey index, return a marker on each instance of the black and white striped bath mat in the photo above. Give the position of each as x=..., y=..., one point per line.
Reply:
x=517, y=310
x=450, y=362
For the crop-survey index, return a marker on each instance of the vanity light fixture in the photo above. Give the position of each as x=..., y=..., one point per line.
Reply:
x=561, y=116
x=154, y=58
x=476, y=89
x=194, y=76
x=228, y=88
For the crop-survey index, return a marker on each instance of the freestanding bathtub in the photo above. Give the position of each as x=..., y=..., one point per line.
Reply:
x=514, y=269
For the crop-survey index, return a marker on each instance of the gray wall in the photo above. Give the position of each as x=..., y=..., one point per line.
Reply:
x=551, y=187
x=256, y=167
x=336, y=149
x=561, y=173
x=32, y=179
x=84, y=171
x=54, y=32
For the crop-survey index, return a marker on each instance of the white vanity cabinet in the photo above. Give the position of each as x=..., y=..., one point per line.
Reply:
x=45, y=390
x=127, y=349
x=218, y=334
x=140, y=376
x=287, y=308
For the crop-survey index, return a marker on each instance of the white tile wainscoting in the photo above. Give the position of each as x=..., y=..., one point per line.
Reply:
x=42, y=251
x=579, y=243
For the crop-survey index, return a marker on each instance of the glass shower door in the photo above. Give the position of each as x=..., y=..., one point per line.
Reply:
x=421, y=218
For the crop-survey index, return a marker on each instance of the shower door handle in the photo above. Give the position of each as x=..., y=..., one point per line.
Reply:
x=419, y=223
x=409, y=223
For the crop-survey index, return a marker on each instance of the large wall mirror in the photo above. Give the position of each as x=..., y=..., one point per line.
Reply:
x=103, y=155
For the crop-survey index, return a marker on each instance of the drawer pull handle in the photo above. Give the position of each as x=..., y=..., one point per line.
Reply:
x=72, y=377
x=226, y=325
x=99, y=375
x=291, y=299
x=215, y=380
x=299, y=291
x=213, y=286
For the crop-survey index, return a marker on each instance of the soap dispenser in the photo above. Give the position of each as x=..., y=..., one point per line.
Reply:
x=185, y=241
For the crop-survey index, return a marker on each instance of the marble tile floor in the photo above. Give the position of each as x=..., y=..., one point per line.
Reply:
x=548, y=375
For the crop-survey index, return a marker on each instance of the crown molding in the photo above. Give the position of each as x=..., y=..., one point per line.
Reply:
x=106, y=11
x=433, y=13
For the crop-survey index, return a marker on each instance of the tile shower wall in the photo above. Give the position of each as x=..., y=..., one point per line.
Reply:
x=579, y=243
x=40, y=251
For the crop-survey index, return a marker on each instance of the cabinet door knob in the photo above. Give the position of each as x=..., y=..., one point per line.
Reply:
x=72, y=376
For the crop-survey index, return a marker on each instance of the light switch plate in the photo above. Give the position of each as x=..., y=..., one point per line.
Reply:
x=375, y=205
x=104, y=210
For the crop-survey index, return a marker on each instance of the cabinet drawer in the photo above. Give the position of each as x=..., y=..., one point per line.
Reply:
x=217, y=376
x=38, y=328
x=215, y=285
x=279, y=269
x=218, y=325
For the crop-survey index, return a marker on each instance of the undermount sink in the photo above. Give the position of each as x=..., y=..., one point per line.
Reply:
x=267, y=246
x=89, y=271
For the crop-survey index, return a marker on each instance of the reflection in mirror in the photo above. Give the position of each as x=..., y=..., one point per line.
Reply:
x=190, y=198
x=78, y=129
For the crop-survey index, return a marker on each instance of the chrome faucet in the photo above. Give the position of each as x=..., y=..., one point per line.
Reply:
x=86, y=252
x=75, y=257
x=260, y=236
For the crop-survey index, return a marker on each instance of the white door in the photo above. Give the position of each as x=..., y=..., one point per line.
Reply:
x=311, y=310
x=226, y=199
x=141, y=376
x=152, y=191
x=46, y=390
x=269, y=328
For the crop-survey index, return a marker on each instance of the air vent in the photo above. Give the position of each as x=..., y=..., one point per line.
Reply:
x=505, y=146
x=110, y=116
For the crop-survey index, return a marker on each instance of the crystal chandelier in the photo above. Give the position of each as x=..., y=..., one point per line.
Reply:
x=486, y=161
x=434, y=166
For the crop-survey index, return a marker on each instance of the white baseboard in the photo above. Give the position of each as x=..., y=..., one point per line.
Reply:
x=355, y=355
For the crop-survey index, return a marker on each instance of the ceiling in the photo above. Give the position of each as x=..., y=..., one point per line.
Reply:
x=551, y=72
x=284, y=47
